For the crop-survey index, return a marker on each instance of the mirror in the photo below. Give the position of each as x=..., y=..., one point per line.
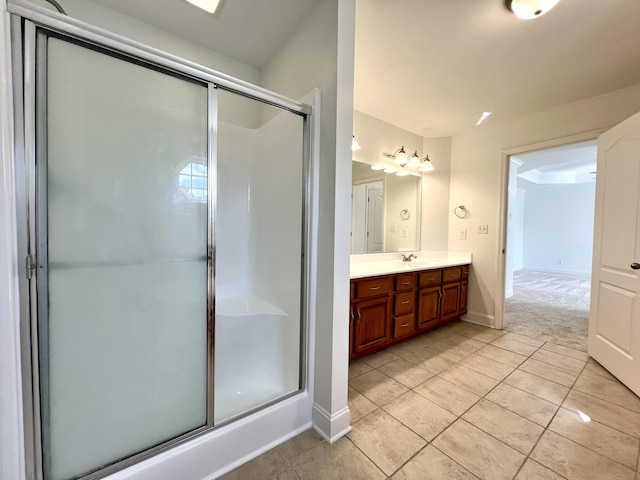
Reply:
x=385, y=211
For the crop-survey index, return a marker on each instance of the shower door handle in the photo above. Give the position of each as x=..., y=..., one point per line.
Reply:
x=635, y=266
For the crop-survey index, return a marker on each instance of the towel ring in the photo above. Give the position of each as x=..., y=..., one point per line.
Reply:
x=461, y=211
x=404, y=214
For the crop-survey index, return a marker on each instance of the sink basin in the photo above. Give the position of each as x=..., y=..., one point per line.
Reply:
x=415, y=265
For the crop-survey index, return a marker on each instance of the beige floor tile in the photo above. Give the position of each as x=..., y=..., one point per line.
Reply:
x=576, y=462
x=620, y=418
x=431, y=464
x=269, y=465
x=596, y=436
x=386, y=441
x=377, y=387
x=300, y=443
x=470, y=380
x=419, y=414
x=569, y=352
x=501, y=355
x=545, y=389
x=486, y=336
x=611, y=391
x=487, y=366
x=335, y=461
x=506, y=426
x=558, y=360
x=508, y=343
x=406, y=372
x=408, y=346
x=534, y=342
x=457, y=347
x=549, y=372
x=532, y=470
x=357, y=368
x=359, y=405
x=436, y=363
x=446, y=394
x=478, y=452
x=524, y=404
x=594, y=369
x=378, y=359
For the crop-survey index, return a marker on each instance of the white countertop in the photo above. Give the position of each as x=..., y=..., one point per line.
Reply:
x=386, y=263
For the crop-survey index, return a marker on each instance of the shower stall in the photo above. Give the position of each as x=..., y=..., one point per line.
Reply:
x=165, y=217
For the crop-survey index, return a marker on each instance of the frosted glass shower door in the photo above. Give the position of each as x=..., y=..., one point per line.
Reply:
x=259, y=286
x=122, y=242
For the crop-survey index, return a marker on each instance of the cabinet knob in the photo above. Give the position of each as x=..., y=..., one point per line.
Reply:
x=635, y=266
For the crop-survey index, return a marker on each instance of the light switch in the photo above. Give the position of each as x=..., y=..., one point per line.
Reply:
x=405, y=233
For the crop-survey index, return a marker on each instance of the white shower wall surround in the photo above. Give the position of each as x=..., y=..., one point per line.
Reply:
x=123, y=253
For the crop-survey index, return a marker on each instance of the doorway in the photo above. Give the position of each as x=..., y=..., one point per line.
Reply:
x=549, y=243
x=367, y=217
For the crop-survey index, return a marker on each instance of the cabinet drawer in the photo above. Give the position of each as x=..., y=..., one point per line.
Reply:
x=430, y=277
x=373, y=287
x=404, y=282
x=465, y=272
x=452, y=274
x=404, y=325
x=404, y=303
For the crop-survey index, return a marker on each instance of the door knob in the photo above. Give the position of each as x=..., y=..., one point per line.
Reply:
x=635, y=266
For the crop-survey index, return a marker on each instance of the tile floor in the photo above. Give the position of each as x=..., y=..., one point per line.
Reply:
x=468, y=402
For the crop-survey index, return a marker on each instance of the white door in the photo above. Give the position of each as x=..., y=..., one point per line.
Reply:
x=614, y=323
x=375, y=203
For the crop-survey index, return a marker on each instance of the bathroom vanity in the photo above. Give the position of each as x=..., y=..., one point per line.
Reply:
x=392, y=301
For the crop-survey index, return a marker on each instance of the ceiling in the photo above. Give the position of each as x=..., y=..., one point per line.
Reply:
x=432, y=67
x=575, y=163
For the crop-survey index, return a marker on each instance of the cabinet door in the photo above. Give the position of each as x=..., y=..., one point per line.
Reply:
x=450, y=301
x=371, y=329
x=428, y=307
x=464, y=285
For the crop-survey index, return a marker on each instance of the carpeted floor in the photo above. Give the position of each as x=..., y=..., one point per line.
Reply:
x=550, y=306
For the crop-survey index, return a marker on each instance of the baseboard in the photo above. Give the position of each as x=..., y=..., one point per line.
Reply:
x=480, y=319
x=331, y=427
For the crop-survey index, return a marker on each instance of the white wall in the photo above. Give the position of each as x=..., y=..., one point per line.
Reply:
x=435, y=194
x=401, y=193
x=558, y=227
x=320, y=55
x=476, y=170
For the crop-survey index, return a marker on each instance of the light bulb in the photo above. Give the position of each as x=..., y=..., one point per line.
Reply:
x=401, y=157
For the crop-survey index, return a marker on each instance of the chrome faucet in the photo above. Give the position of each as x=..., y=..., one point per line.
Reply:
x=408, y=259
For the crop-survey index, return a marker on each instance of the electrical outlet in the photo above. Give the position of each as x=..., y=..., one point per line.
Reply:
x=393, y=228
x=462, y=235
x=483, y=228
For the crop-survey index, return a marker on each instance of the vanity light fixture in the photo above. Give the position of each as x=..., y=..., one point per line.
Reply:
x=414, y=160
x=378, y=167
x=528, y=9
x=426, y=165
x=390, y=170
x=207, y=5
x=402, y=173
x=399, y=156
x=354, y=144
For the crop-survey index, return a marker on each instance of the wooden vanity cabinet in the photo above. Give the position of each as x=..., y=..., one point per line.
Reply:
x=389, y=309
x=370, y=309
x=404, y=305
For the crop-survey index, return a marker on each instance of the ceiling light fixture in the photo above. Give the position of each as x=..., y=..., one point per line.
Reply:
x=354, y=144
x=483, y=117
x=399, y=156
x=208, y=5
x=528, y=9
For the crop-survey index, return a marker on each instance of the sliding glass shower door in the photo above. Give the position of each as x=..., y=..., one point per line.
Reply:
x=122, y=253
